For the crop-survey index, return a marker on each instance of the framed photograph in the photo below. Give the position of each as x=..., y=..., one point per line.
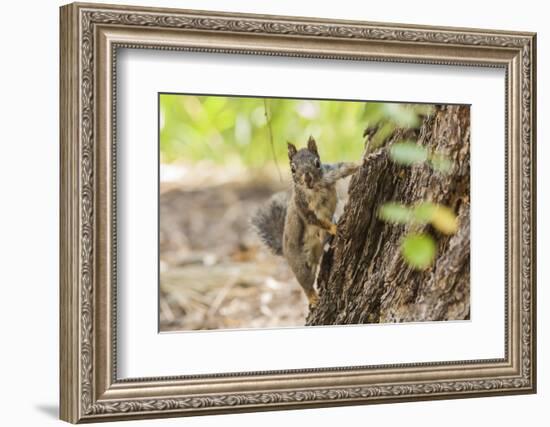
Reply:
x=266, y=212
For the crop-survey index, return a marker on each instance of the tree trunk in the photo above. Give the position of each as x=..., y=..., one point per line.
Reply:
x=363, y=277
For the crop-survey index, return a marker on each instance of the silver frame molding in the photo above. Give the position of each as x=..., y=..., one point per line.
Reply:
x=90, y=37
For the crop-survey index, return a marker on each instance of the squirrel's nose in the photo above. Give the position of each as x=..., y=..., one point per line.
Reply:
x=308, y=179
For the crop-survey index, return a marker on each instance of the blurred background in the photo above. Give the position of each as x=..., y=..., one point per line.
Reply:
x=220, y=158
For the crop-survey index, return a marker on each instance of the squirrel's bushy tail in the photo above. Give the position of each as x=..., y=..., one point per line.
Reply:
x=269, y=222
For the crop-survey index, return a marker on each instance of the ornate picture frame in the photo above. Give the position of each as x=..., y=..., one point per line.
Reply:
x=90, y=37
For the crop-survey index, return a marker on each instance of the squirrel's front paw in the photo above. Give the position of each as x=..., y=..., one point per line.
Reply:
x=332, y=229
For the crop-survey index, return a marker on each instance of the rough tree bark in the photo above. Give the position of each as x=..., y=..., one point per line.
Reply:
x=363, y=277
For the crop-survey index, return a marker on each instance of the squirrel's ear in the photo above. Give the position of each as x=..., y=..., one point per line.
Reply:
x=291, y=150
x=312, y=146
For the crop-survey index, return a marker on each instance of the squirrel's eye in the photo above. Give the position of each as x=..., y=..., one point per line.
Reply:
x=292, y=168
x=317, y=163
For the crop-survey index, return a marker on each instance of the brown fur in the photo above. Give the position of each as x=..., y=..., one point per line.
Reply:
x=309, y=212
x=296, y=224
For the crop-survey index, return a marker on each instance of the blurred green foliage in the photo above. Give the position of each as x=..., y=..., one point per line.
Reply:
x=239, y=130
x=409, y=153
x=419, y=250
x=440, y=216
x=235, y=129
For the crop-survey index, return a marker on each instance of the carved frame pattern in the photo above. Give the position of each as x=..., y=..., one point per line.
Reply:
x=80, y=401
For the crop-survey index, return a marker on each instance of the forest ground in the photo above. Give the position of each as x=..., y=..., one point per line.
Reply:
x=214, y=272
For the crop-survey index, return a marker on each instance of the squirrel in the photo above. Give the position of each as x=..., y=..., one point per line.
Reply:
x=296, y=223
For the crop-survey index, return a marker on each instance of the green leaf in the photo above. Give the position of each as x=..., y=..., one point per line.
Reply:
x=441, y=163
x=418, y=250
x=408, y=153
x=395, y=213
x=401, y=115
x=385, y=130
x=445, y=220
x=441, y=217
x=424, y=212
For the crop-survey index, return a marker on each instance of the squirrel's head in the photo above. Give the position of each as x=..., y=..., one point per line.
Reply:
x=305, y=164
